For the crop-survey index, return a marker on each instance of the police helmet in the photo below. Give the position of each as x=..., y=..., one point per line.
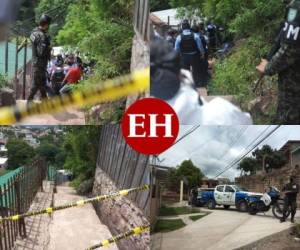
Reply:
x=185, y=24
x=45, y=19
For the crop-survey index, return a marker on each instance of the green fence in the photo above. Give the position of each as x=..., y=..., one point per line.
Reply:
x=12, y=50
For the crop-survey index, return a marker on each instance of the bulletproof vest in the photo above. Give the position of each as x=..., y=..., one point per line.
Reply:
x=188, y=44
x=58, y=75
x=291, y=29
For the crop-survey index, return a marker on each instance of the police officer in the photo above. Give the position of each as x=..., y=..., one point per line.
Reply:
x=286, y=63
x=291, y=190
x=41, y=54
x=174, y=85
x=191, y=49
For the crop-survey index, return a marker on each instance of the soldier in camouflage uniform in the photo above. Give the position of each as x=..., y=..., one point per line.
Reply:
x=41, y=54
x=286, y=63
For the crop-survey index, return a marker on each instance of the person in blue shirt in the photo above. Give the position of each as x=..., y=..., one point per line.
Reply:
x=190, y=47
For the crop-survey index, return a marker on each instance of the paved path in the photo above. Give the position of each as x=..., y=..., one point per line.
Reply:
x=71, y=116
x=75, y=228
x=221, y=230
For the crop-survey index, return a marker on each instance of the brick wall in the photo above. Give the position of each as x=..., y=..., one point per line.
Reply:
x=261, y=181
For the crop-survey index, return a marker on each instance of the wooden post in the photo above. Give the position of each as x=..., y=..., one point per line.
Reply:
x=181, y=191
x=24, y=71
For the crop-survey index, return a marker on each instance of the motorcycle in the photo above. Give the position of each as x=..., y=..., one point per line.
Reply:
x=269, y=200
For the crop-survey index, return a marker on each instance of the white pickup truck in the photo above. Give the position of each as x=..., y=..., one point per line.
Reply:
x=226, y=195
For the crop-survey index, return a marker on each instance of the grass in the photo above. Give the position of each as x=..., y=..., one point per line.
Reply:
x=169, y=211
x=168, y=225
x=197, y=217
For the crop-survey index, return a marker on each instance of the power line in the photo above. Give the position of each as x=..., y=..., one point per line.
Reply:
x=233, y=142
x=245, y=154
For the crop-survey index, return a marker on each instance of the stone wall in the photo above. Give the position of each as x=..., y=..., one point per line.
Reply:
x=261, y=181
x=120, y=214
x=120, y=167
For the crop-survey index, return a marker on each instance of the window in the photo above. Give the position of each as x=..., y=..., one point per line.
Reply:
x=229, y=189
x=220, y=188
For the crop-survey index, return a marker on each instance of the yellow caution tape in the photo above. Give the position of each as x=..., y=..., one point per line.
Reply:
x=76, y=204
x=110, y=90
x=134, y=231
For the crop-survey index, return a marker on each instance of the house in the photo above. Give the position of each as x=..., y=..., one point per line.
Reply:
x=158, y=179
x=3, y=162
x=291, y=150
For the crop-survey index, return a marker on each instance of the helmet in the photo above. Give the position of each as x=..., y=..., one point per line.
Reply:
x=185, y=24
x=45, y=19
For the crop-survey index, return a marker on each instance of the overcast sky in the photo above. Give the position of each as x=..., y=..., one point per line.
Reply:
x=212, y=148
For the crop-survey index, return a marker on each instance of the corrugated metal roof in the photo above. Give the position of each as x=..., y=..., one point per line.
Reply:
x=165, y=15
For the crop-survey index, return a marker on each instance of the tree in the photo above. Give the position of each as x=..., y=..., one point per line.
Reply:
x=48, y=151
x=249, y=164
x=103, y=31
x=156, y=5
x=19, y=153
x=270, y=158
x=186, y=171
x=80, y=151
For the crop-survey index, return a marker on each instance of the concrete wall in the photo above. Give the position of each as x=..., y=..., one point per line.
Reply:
x=278, y=178
x=120, y=167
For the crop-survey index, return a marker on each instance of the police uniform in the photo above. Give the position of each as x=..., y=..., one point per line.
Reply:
x=41, y=53
x=286, y=63
x=190, y=47
x=290, y=199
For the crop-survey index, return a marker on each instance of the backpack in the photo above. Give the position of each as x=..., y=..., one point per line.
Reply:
x=188, y=43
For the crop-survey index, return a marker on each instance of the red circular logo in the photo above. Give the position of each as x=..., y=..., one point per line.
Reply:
x=150, y=126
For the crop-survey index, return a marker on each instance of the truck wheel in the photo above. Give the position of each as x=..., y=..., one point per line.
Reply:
x=211, y=204
x=242, y=206
x=226, y=207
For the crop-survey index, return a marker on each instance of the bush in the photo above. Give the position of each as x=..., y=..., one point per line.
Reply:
x=85, y=187
x=3, y=81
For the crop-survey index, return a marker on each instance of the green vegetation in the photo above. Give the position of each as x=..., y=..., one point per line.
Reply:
x=76, y=150
x=168, y=225
x=100, y=30
x=188, y=172
x=253, y=26
x=197, y=217
x=270, y=158
x=19, y=153
x=3, y=81
x=170, y=211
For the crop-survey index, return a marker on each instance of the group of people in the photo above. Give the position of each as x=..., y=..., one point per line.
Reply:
x=194, y=43
x=51, y=75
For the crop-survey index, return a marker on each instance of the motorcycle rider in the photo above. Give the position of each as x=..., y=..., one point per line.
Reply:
x=41, y=55
x=291, y=191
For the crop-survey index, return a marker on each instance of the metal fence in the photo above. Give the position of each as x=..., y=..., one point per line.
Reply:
x=141, y=18
x=16, y=195
x=15, y=59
